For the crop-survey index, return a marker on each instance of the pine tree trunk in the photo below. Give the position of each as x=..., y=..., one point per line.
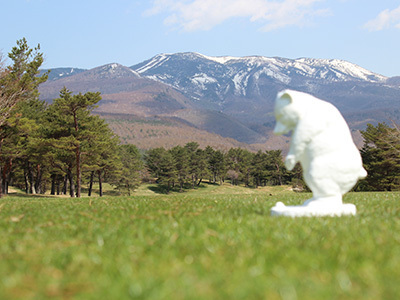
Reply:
x=5, y=187
x=71, y=184
x=53, y=184
x=58, y=186
x=38, y=181
x=1, y=169
x=100, y=184
x=91, y=184
x=78, y=159
x=65, y=186
x=78, y=171
x=30, y=180
x=4, y=180
x=1, y=184
x=26, y=182
x=129, y=189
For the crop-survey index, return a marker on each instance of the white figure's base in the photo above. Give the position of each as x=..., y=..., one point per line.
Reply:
x=314, y=209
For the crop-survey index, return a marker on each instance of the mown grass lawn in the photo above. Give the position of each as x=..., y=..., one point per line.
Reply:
x=213, y=243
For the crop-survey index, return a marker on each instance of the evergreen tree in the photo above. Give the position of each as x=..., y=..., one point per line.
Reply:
x=31, y=146
x=18, y=82
x=101, y=153
x=131, y=166
x=74, y=114
x=216, y=164
x=198, y=167
x=168, y=172
x=381, y=159
x=161, y=164
x=182, y=164
x=202, y=170
x=239, y=161
x=153, y=159
x=275, y=166
x=259, y=168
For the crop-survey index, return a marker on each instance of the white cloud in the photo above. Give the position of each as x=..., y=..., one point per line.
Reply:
x=192, y=15
x=386, y=19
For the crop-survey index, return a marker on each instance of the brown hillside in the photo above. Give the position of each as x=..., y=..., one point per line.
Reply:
x=147, y=133
x=122, y=91
x=219, y=123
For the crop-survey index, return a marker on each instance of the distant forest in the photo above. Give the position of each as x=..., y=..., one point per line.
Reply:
x=59, y=147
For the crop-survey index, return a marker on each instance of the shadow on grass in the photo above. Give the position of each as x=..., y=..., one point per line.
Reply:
x=159, y=189
x=24, y=195
x=163, y=189
x=48, y=196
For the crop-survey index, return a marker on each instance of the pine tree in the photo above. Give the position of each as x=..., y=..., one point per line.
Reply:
x=131, y=166
x=275, y=166
x=161, y=164
x=381, y=158
x=239, y=161
x=259, y=168
x=216, y=164
x=18, y=82
x=101, y=153
x=182, y=164
x=74, y=114
x=168, y=172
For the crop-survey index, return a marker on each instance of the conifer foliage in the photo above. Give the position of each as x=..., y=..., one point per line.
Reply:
x=187, y=166
x=381, y=157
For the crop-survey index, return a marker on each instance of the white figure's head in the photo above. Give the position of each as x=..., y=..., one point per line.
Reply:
x=286, y=112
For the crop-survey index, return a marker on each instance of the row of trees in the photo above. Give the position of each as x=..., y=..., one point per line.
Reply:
x=189, y=165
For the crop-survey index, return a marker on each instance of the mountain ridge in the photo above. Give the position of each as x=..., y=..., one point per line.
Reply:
x=231, y=96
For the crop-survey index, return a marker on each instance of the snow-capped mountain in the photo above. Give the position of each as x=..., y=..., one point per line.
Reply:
x=198, y=74
x=245, y=87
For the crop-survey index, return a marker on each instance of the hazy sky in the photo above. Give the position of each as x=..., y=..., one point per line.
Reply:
x=90, y=33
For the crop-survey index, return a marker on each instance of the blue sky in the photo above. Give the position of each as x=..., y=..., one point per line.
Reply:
x=90, y=33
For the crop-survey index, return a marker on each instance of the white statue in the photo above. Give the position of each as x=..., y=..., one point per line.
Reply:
x=322, y=143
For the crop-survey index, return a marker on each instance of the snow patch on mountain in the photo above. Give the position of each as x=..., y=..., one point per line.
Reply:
x=156, y=61
x=220, y=59
x=342, y=69
x=240, y=81
x=203, y=79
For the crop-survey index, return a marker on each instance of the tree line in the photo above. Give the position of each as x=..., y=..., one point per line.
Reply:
x=187, y=166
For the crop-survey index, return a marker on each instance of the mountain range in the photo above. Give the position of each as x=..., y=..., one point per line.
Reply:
x=227, y=97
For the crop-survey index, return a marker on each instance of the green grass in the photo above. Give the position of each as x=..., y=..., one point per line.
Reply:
x=212, y=243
